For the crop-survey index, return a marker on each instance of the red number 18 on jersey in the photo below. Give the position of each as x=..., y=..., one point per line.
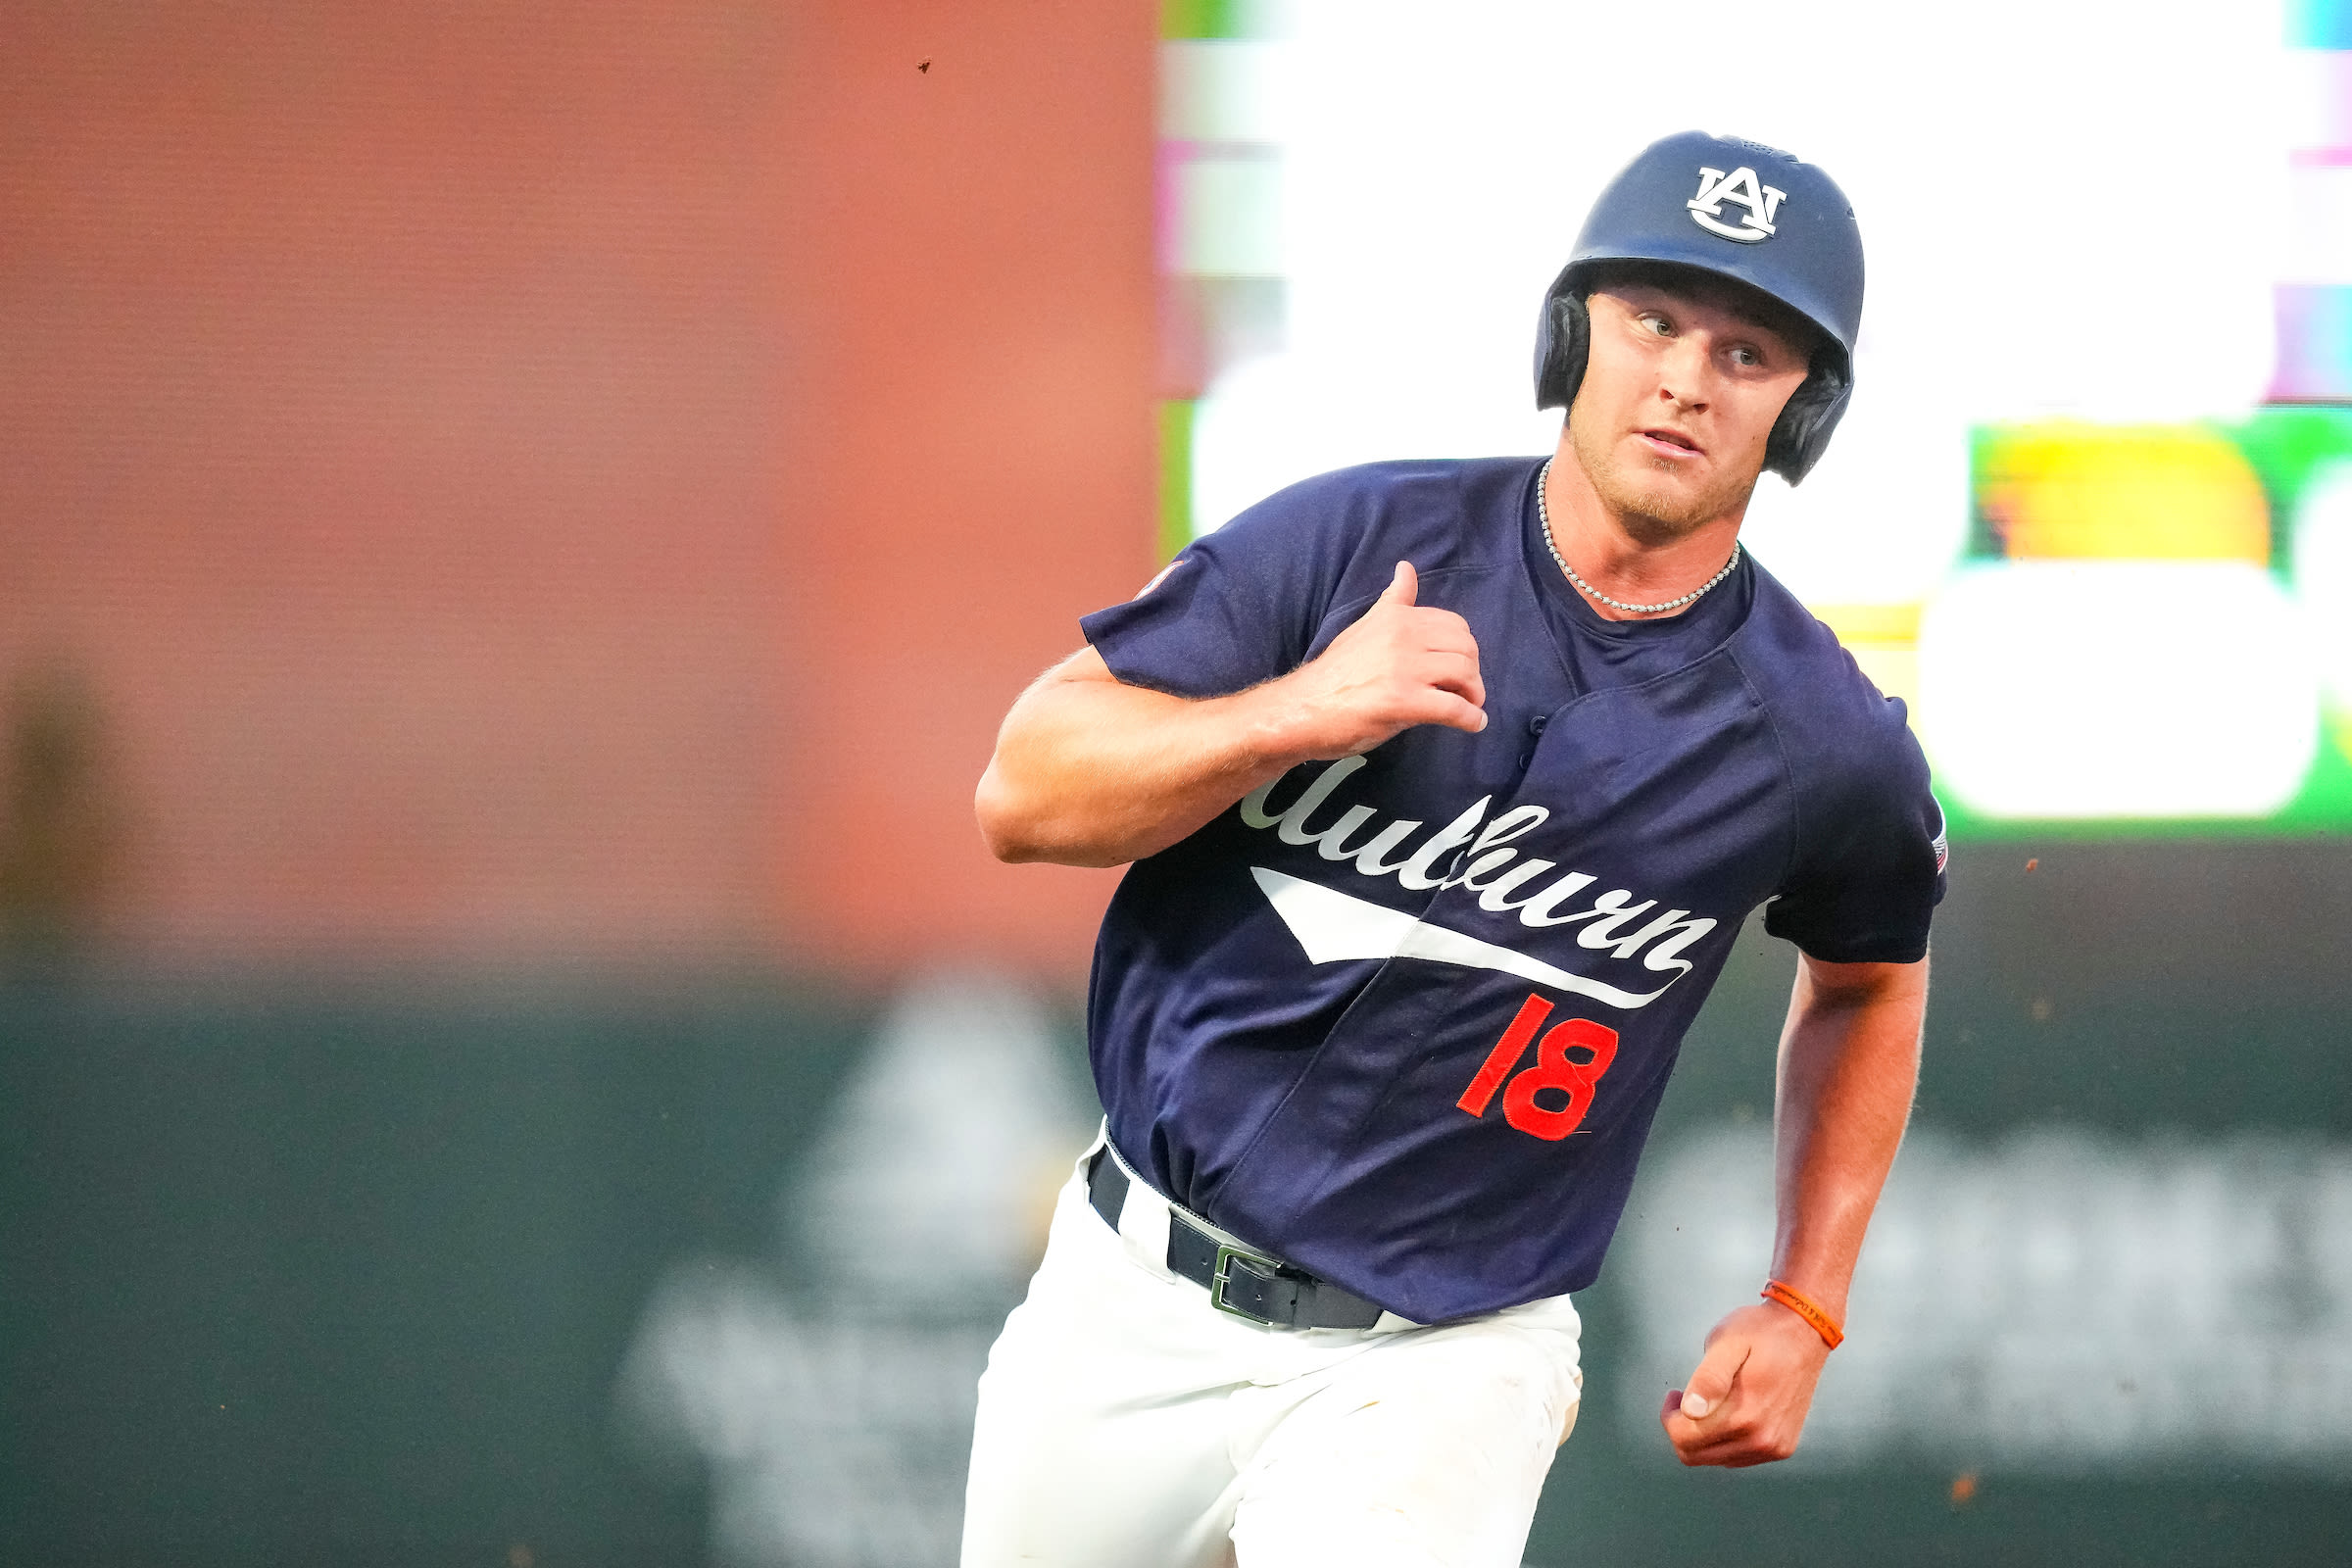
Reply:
x=1554, y=1069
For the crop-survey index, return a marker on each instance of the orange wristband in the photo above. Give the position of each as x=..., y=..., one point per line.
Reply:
x=1802, y=1305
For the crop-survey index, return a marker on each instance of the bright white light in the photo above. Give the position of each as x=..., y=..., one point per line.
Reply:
x=1231, y=222
x=1224, y=89
x=2319, y=246
x=2324, y=578
x=1851, y=535
x=1275, y=421
x=2071, y=206
x=2118, y=688
x=2314, y=100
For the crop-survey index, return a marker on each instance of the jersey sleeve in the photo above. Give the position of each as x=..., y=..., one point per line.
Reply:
x=1236, y=607
x=1870, y=863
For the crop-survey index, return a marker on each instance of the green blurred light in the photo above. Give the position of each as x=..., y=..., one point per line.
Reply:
x=2290, y=447
x=1175, y=474
x=2322, y=807
x=2287, y=448
x=1219, y=19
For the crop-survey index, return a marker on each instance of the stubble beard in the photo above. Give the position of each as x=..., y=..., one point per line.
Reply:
x=1658, y=513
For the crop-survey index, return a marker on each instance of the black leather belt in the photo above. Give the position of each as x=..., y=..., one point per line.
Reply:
x=1246, y=1284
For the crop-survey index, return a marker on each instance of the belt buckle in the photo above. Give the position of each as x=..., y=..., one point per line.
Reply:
x=1223, y=1271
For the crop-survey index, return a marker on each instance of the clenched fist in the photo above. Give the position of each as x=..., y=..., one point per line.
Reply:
x=1747, y=1399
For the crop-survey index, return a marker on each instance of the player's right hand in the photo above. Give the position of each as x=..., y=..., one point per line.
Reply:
x=1400, y=665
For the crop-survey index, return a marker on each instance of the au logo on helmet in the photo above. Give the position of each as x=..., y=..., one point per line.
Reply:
x=1739, y=187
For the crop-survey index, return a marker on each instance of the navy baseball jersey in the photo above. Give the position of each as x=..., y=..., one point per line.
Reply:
x=1404, y=1018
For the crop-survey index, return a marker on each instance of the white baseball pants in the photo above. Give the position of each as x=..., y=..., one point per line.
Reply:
x=1125, y=1423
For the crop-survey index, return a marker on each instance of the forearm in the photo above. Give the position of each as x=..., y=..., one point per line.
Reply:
x=1848, y=1065
x=1088, y=771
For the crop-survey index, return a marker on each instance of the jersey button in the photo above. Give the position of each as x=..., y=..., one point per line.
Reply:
x=1534, y=725
x=1525, y=761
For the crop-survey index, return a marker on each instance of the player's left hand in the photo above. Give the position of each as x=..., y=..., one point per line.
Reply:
x=1746, y=1403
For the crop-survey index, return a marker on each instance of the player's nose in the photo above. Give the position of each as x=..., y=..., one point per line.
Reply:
x=1686, y=372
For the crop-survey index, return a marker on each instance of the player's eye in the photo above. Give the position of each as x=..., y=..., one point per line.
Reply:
x=1652, y=321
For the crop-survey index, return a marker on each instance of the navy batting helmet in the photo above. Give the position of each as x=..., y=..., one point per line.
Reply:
x=1742, y=211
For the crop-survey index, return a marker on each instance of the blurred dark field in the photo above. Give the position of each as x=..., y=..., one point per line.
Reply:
x=347, y=1270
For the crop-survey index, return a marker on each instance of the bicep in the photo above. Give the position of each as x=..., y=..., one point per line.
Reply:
x=1074, y=698
x=1863, y=890
x=1081, y=666
x=1834, y=984
x=1238, y=606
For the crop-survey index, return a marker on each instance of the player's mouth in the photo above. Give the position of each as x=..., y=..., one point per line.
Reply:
x=1670, y=444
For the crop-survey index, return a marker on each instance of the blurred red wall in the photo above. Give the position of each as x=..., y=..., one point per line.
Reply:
x=518, y=481
x=971, y=464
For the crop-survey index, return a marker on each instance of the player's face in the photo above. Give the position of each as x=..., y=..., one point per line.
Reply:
x=1679, y=394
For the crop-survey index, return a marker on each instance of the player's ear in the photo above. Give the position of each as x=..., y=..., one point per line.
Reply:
x=1564, y=333
x=1802, y=432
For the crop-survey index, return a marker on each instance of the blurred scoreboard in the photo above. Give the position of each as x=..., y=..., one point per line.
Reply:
x=2091, y=512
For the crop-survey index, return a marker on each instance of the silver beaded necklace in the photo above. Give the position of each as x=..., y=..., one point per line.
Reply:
x=1543, y=517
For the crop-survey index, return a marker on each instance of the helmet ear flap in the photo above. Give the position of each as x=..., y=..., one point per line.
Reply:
x=1802, y=432
x=1562, y=333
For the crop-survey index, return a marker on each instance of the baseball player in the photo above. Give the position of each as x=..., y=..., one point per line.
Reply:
x=1446, y=786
